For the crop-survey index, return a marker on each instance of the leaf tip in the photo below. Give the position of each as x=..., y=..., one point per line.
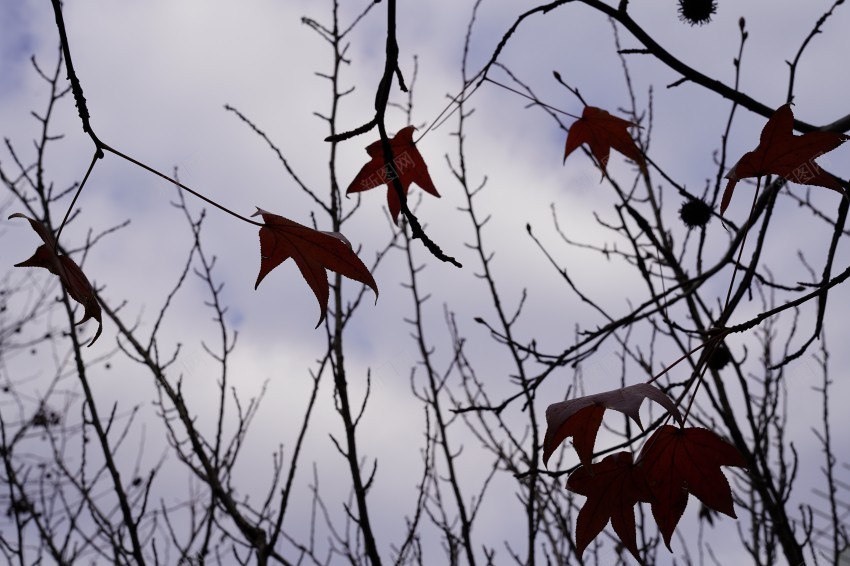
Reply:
x=727, y=194
x=96, y=334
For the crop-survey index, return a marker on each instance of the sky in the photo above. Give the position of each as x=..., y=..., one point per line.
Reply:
x=157, y=75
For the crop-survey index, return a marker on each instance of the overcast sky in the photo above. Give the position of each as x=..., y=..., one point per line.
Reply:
x=157, y=74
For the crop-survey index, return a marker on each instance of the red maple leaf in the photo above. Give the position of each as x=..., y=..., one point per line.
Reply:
x=407, y=165
x=72, y=277
x=601, y=131
x=581, y=417
x=613, y=487
x=780, y=152
x=681, y=461
x=313, y=251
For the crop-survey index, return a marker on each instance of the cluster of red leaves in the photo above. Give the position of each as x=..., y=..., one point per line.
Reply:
x=675, y=462
x=70, y=275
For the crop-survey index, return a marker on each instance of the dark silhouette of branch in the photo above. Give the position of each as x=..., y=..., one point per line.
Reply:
x=382, y=96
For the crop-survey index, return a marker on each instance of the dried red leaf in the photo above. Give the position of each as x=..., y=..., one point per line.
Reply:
x=407, y=165
x=313, y=251
x=581, y=417
x=780, y=152
x=613, y=487
x=681, y=461
x=73, y=279
x=601, y=131
x=582, y=425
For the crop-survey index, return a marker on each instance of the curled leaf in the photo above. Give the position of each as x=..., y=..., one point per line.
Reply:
x=73, y=279
x=581, y=417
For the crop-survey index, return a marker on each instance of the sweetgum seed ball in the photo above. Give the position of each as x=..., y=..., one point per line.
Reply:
x=695, y=213
x=720, y=358
x=697, y=12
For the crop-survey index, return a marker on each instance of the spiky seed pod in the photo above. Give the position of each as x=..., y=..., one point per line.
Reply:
x=720, y=357
x=695, y=213
x=697, y=12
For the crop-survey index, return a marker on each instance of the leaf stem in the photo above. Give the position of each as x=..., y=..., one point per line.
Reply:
x=180, y=185
x=94, y=159
x=536, y=101
x=741, y=249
